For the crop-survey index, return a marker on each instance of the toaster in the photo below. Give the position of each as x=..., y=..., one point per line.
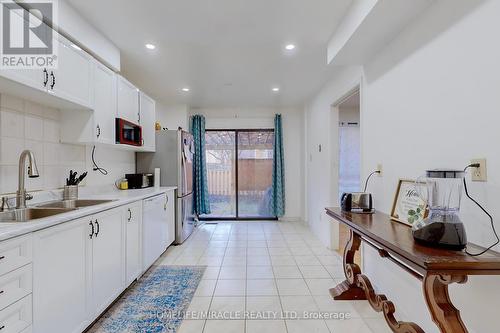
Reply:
x=139, y=180
x=357, y=202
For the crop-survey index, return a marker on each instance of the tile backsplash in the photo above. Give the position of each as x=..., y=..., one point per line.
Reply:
x=26, y=125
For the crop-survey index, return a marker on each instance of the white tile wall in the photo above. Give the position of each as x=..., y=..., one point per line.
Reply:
x=27, y=125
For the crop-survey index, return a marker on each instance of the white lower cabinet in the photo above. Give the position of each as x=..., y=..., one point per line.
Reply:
x=108, y=258
x=61, y=280
x=170, y=213
x=15, y=285
x=133, y=222
x=79, y=270
x=79, y=267
x=17, y=317
x=15, y=253
x=158, y=227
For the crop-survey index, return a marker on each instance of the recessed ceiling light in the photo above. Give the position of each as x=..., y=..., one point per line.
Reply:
x=150, y=46
x=185, y=89
x=276, y=89
x=290, y=47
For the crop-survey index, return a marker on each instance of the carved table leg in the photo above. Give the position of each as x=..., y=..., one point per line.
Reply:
x=443, y=313
x=348, y=290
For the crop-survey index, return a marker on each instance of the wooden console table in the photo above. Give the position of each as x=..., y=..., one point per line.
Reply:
x=435, y=268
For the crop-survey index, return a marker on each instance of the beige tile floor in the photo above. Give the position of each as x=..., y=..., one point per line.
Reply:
x=266, y=277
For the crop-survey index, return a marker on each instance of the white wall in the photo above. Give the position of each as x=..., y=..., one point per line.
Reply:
x=428, y=100
x=26, y=125
x=349, y=114
x=292, y=136
x=172, y=116
x=321, y=126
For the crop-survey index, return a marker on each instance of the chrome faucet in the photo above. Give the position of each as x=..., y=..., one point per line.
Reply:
x=21, y=195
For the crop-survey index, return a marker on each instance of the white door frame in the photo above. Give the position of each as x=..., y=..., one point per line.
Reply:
x=334, y=153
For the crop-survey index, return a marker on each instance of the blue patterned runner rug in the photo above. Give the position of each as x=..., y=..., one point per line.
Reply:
x=155, y=304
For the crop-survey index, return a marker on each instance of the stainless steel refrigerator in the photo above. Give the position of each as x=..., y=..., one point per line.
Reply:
x=174, y=156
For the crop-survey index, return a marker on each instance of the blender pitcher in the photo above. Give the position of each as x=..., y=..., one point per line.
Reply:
x=442, y=227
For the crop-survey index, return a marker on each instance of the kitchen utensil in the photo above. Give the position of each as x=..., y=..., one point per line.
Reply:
x=82, y=176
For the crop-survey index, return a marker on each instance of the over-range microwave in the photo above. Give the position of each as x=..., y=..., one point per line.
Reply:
x=128, y=133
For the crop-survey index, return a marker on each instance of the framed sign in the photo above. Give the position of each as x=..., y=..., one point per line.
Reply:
x=408, y=206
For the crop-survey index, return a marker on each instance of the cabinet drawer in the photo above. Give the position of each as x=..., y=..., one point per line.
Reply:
x=15, y=285
x=17, y=317
x=15, y=253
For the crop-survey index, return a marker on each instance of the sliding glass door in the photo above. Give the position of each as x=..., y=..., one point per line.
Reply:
x=239, y=168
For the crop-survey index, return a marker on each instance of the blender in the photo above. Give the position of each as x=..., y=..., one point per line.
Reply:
x=442, y=227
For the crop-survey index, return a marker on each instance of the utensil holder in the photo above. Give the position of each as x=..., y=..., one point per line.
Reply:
x=70, y=192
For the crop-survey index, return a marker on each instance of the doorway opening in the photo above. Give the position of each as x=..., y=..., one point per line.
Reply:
x=239, y=172
x=349, y=153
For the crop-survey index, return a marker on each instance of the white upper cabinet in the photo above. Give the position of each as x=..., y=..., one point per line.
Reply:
x=34, y=78
x=104, y=104
x=148, y=120
x=127, y=101
x=73, y=76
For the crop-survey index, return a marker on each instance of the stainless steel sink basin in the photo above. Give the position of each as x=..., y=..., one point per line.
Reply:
x=73, y=203
x=29, y=214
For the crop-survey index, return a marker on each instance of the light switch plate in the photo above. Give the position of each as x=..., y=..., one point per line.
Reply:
x=479, y=174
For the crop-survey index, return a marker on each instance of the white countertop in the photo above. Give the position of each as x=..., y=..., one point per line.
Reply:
x=119, y=197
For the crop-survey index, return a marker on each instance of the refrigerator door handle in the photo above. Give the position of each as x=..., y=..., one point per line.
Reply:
x=185, y=195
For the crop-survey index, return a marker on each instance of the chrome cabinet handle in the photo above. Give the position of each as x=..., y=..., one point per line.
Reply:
x=98, y=131
x=52, y=85
x=129, y=215
x=92, y=232
x=46, y=77
x=98, y=228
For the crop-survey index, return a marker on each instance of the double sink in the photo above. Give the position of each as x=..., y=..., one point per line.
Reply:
x=46, y=210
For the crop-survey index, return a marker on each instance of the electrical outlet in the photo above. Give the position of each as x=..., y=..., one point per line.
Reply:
x=479, y=174
x=379, y=169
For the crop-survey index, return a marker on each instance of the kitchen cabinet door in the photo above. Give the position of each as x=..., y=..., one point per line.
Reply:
x=170, y=215
x=127, y=102
x=148, y=120
x=34, y=78
x=73, y=76
x=104, y=104
x=60, y=278
x=108, y=258
x=154, y=230
x=133, y=222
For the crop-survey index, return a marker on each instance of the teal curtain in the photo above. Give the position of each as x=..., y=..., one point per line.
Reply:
x=278, y=188
x=200, y=183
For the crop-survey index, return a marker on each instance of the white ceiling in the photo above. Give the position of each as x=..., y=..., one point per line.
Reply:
x=228, y=52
